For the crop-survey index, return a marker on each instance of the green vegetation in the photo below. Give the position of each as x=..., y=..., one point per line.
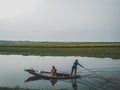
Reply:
x=89, y=49
x=18, y=88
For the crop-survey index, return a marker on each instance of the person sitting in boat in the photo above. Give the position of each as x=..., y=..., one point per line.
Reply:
x=53, y=71
x=74, y=67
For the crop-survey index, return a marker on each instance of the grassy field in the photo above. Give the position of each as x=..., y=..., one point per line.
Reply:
x=89, y=49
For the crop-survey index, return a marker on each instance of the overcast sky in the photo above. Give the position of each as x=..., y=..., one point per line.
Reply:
x=60, y=20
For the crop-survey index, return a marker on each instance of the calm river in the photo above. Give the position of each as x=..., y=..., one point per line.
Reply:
x=12, y=72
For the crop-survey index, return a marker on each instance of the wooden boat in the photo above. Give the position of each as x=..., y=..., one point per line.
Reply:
x=47, y=75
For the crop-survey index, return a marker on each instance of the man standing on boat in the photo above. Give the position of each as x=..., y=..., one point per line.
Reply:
x=74, y=67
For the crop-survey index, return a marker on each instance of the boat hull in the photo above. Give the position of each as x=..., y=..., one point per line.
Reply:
x=47, y=75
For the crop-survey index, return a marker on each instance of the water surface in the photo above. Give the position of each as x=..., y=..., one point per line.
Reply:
x=12, y=72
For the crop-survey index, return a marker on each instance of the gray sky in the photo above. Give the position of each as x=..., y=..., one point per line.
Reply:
x=60, y=20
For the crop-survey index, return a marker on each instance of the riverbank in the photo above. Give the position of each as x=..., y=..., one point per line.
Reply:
x=18, y=88
x=88, y=49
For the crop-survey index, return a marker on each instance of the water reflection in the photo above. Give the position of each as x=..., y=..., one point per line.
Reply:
x=35, y=78
x=74, y=84
x=52, y=81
